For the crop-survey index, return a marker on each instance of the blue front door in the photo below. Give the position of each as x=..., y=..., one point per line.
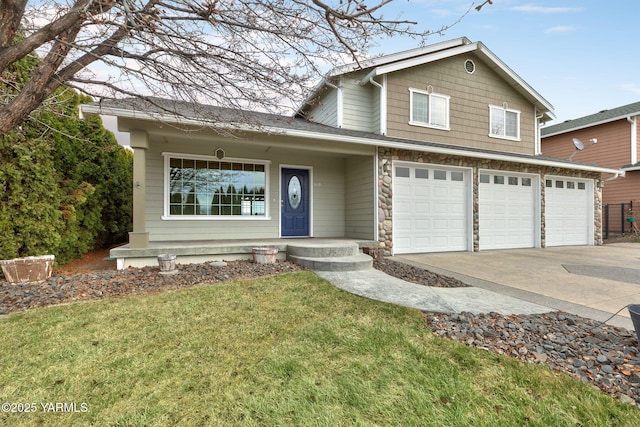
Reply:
x=295, y=202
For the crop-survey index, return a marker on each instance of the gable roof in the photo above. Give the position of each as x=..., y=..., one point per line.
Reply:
x=601, y=117
x=192, y=114
x=424, y=55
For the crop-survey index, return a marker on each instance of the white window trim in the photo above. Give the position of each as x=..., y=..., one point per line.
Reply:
x=504, y=110
x=166, y=197
x=447, y=98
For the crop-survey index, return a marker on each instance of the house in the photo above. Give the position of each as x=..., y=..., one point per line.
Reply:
x=429, y=150
x=616, y=133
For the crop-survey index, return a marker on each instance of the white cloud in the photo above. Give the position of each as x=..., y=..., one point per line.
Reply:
x=541, y=9
x=560, y=29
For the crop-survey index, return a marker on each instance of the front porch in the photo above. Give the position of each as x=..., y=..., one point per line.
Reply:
x=189, y=252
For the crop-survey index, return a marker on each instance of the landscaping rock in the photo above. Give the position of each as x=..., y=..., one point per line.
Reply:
x=112, y=283
x=605, y=356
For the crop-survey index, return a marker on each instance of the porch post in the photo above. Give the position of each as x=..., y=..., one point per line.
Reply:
x=139, y=237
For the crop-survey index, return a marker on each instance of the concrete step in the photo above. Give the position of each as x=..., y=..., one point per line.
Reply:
x=323, y=249
x=334, y=263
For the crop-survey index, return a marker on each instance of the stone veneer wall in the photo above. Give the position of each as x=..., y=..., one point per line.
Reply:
x=385, y=188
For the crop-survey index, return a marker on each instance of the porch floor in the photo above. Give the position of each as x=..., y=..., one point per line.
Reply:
x=216, y=250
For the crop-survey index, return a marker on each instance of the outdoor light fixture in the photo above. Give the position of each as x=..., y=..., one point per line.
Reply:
x=580, y=146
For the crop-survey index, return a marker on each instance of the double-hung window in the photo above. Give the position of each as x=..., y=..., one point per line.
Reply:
x=200, y=187
x=504, y=123
x=429, y=109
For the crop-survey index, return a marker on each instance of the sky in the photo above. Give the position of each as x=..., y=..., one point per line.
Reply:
x=580, y=55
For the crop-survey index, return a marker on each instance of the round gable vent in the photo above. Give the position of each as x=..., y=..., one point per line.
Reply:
x=469, y=66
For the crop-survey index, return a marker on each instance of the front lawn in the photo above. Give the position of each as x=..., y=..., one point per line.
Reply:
x=285, y=350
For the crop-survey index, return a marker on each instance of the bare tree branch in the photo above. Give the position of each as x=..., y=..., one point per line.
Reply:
x=253, y=54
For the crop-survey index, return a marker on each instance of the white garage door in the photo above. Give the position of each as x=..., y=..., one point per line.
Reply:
x=507, y=210
x=430, y=208
x=568, y=211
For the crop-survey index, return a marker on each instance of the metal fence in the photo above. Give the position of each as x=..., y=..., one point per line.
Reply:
x=615, y=218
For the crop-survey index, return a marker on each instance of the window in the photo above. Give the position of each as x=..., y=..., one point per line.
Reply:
x=422, y=173
x=429, y=109
x=457, y=176
x=402, y=172
x=440, y=175
x=504, y=123
x=208, y=187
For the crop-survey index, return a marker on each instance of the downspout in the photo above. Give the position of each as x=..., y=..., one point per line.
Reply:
x=538, y=142
x=619, y=174
x=634, y=139
x=383, y=102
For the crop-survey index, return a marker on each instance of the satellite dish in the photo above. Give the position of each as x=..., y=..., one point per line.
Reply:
x=579, y=145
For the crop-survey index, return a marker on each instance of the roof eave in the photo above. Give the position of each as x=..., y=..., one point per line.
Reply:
x=542, y=105
x=97, y=109
x=591, y=124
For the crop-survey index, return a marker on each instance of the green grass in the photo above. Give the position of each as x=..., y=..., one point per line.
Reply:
x=285, y=350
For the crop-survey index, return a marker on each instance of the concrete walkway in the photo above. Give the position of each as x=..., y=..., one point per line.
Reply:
x=590, y=281
x=379, y=286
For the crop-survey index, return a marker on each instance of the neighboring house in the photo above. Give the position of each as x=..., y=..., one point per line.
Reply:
x=429, y=150
x=616, y=132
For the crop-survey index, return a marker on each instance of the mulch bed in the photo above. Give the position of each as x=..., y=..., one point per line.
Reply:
x=65, y=288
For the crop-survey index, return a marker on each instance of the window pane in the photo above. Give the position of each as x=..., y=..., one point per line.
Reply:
x=422, y=173
x=485, y=179
x=571, y=185
x=457, y=176
x=420, y=107
x=511, y=124
x=402, y=172
x=498, y=179
x=438, y=111
x=581, y=186
x=497, y=121
x=549, y=183
x=559, y=184
x=526, y=182
x=513, y=180
x=441, y=175
x=201, y=187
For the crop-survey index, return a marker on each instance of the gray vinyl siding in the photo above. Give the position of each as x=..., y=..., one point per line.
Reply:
x=357, y=104
x=326, y=109
x=328, y=190
x=376, y=110
x=360, y=198
x=177, y=230
x=328, y=197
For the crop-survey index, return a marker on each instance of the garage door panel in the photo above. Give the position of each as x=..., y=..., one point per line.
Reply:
x=430, y=215
x=507, y=210
x=568, y=212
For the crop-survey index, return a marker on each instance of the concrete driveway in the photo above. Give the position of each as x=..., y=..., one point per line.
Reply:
x=591, y=281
